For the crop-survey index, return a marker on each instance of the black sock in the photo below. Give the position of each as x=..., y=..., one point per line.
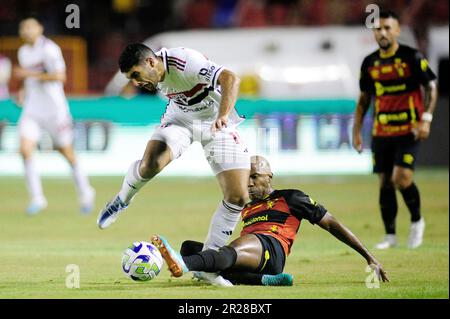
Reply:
x=211, y=260
x=388, y=206
x=190, y=247
x=243, y=278
x=412, y=200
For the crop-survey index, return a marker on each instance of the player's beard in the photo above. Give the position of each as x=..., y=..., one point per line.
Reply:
x=384, y=44
x=150, y=87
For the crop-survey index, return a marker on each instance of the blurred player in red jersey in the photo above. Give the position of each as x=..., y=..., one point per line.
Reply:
x=270, y=223
x=394, y=74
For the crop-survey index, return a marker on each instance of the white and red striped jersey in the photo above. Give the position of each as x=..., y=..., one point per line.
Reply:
x=43, y=99
x=190, y=84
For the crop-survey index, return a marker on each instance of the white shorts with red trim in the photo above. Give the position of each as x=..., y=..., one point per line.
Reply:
x=224, y=150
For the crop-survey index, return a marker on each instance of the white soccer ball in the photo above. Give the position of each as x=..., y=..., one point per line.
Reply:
x=142, y=261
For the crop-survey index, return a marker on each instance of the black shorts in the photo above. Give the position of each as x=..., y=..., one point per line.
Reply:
x=273, y=258
x=388, y=152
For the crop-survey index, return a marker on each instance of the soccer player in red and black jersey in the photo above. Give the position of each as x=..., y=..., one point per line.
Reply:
x=395, y=75
x=270, y=224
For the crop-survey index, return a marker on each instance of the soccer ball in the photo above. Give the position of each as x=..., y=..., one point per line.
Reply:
x=141, y=261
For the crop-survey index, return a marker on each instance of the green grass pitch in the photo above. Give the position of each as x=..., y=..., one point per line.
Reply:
x=34, y=251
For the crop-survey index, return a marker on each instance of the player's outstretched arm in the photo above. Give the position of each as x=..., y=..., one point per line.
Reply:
x=332, y=225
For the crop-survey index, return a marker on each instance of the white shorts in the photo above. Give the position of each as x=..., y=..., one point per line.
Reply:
x=61, y=130
x=224, y=150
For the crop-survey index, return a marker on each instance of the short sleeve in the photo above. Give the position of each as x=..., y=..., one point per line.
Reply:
x=421, y=69
x=365, y=80
x=303, y=206
x=205, y=70
x=54, y=60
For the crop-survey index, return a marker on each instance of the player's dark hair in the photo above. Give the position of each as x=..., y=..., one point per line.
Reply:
x=385, y=14
x=133, y=55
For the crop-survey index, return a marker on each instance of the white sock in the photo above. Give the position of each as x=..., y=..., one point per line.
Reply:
x=81, y=180
x=33, y=180
x=222, y=225
x=132, y=183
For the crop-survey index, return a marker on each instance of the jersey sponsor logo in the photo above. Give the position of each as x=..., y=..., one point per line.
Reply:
x=380, y=89
x=253, y=220
x=272, y=216
x=190, y=110
x=207, y=73
x=386, y=118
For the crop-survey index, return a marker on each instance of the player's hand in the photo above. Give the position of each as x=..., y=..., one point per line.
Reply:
x=357, y=142
x=21, y=73
x=379, y=271
x=423, y=130
x=220, y=123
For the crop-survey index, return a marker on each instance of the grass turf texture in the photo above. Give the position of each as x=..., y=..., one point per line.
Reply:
x=35, y=251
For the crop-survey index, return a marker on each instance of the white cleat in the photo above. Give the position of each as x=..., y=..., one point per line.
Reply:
x=87, y=201
x=389, y=241
x=36, y=206
x=416, y=234
x=109, y=214
x=212, y=278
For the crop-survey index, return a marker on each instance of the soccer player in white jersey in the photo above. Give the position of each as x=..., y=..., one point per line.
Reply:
x=202, y=96
x=42, y=72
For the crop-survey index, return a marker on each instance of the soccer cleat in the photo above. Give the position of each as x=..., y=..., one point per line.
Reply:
x=109, y=214
x=36, y=206
x=173, y=259
x=212, y=278
x=277, y=280
x=87, y=201
x=390, y=240
x=416, y=234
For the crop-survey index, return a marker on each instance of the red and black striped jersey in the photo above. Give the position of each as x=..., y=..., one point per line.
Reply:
x=396, y=81
x=280, y=214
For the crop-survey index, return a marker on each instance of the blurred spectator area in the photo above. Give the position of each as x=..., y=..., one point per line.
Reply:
x=75, y=56
x=108, y=25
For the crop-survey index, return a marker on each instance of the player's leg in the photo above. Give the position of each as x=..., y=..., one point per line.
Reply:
x=167, y=143
x=86, y=193
x=61, y=131
x=403, y=179
x=29, y=132
x=229, y=160
x=233, y=184
x=258, y=279
x=190, y=247
x=383, y=162
x=243, y=254
x=157, y=155
x=253, y=253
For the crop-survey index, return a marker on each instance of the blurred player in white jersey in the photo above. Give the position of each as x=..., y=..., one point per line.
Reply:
x=202, y=96
x=43, y=72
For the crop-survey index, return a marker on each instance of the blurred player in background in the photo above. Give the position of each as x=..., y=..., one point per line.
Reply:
x=42, y=72
x=270, y=224
x=5, y=75
x=202, y=96
x=394, y=74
